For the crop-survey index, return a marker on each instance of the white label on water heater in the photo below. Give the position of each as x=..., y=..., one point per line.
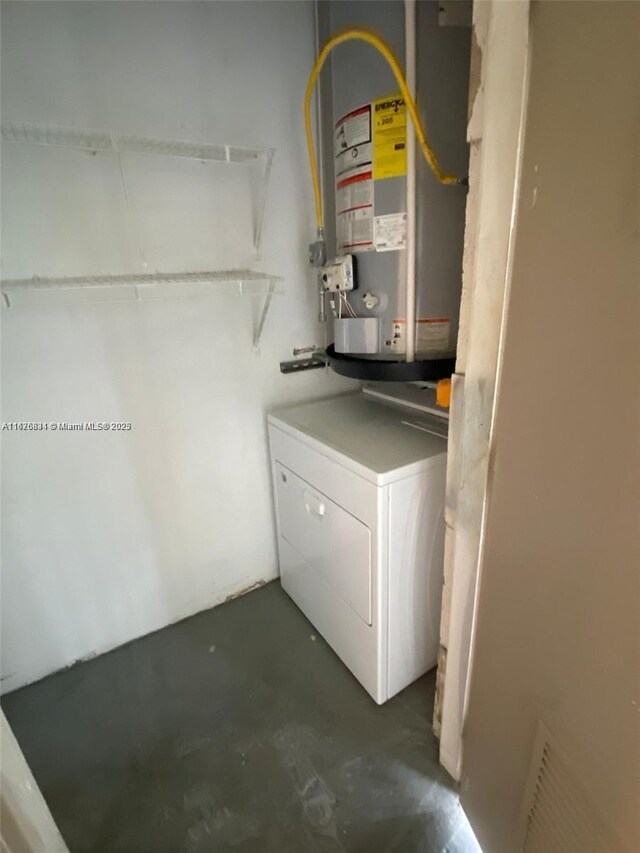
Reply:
x=354, y=181
x=432, y=335
x=352, y=141
x=390, y=232
x=355, y=229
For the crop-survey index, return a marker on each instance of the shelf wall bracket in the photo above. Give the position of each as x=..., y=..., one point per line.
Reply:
x=257, y=335
x=260, y=198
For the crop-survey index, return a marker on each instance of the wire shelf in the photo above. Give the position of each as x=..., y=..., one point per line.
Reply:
x=44, y=291
x=110, y=142
x=33, y=133
x=91, y=290
x=240, y=277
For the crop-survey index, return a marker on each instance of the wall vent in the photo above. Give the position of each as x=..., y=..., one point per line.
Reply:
x=558, y=815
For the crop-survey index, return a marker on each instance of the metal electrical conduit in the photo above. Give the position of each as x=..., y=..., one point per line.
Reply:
x=410, y=288
x=372, y=38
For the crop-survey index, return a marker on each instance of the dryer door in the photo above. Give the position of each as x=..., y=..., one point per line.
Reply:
x=332, y=541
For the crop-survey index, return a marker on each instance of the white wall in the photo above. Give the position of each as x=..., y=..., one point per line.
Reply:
x=110, y=536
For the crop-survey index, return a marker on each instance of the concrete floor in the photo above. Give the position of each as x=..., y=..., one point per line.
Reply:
x=236, y=730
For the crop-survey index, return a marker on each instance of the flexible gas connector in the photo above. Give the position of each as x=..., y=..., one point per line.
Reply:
x=372, y=38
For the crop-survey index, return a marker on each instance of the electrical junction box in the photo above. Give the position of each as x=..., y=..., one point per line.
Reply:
x=338, y=276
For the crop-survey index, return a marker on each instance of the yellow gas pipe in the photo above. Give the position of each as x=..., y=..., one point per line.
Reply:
x=368, y=36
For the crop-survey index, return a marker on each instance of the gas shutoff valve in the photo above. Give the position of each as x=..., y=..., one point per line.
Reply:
x=339, y=275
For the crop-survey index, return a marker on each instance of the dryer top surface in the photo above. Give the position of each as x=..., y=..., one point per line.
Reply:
x=386, y=440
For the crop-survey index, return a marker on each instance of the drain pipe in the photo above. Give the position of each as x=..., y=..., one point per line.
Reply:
x=410, y=74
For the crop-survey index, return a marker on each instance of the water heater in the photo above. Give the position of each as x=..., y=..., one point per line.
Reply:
x=365, y=129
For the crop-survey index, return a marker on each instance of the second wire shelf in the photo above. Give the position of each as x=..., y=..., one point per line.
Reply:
x=86, y=290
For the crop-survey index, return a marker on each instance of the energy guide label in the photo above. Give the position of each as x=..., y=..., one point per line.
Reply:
x=389, y=138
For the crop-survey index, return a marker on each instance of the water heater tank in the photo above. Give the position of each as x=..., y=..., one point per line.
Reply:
x=364, y=129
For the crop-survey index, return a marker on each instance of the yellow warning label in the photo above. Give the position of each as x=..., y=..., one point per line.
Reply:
x=389, y=137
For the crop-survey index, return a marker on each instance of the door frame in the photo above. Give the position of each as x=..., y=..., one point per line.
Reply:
x=26, y=824
x=498, y=103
